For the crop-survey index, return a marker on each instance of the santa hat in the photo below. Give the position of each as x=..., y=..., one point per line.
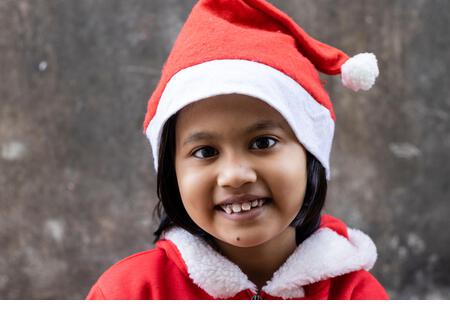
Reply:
x=252, y=48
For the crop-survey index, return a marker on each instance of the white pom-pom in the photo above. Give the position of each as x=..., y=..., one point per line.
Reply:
x=360, y=71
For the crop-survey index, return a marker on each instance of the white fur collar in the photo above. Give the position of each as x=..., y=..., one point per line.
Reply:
x=323, y=255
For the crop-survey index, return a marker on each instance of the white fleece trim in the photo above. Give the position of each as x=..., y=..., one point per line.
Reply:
x=208, y=269
x=310, y=121
x=323, y=255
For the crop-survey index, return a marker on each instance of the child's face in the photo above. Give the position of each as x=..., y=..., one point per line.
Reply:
x=268, y=162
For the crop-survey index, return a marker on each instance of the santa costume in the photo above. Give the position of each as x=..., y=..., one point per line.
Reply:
x=252, y=48
x=332, y=263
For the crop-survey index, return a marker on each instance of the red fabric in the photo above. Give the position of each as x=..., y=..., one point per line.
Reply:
x=328, y=221
x=250, y=30
x=160, y=273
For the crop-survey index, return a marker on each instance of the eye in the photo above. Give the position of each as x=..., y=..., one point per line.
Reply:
x=264, y=142
x=204, y=151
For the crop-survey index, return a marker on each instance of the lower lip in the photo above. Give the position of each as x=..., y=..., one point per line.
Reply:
x=245, y=215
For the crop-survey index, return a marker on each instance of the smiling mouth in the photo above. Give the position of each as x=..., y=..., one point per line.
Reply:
x=239, y=210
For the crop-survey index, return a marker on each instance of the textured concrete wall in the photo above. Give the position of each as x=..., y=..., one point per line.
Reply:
x=76, y=179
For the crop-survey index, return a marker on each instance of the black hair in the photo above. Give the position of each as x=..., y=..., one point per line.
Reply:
x=171, y=211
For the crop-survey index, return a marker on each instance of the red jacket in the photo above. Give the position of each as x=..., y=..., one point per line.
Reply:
x=332, y=263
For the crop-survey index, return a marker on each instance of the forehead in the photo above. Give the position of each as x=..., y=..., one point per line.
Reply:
x=226, y=111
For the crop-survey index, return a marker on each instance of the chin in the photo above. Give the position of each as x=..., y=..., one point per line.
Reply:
x=246, y=241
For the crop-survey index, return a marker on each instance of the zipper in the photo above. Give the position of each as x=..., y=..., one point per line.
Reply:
x=257, y=296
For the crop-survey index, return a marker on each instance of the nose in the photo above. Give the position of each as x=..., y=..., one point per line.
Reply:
x=235, y=174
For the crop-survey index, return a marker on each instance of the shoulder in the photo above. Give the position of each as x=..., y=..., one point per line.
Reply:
x=131, y=277
x=358, y=285
x=333, y=223
x=138, y=263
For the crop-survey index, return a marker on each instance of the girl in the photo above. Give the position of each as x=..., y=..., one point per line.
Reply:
x=241, y=130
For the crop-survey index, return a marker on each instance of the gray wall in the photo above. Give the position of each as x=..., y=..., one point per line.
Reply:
x=77, y=184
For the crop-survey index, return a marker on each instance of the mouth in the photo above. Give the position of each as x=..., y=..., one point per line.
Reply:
x=245, y=209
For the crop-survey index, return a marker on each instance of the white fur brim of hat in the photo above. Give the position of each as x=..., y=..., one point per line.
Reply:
x=311, y=122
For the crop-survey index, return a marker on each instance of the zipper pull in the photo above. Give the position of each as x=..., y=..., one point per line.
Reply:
x=257, y=296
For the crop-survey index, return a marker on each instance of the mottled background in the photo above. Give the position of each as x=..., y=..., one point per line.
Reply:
x=77, y=185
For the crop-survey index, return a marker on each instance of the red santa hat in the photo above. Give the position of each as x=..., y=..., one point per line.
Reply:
x=250, y=47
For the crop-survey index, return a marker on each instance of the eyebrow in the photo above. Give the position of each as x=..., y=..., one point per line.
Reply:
x=261, y=125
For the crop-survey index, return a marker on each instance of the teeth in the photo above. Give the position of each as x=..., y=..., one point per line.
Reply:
x=246, y=206
x=236, y=207
x=227, y=209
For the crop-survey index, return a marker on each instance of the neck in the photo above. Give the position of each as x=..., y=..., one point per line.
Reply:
x=260, y=262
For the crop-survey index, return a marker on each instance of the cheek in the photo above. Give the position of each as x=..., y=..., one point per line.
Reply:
x=289, y=181
x=193, y=187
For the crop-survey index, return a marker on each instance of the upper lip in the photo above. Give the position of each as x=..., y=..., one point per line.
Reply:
x=239, y=199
